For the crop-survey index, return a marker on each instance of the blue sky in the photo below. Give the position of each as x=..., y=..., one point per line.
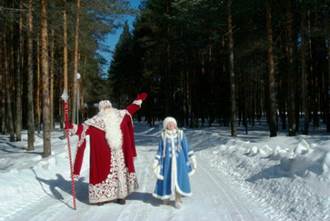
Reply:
x=111, y=39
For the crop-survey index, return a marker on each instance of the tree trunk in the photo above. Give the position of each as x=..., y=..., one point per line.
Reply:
x=231, y=70
x=304, y=86
x=2, y=92
x=166, y=72
x=271, y=73
x=37, y=91
x=328, y=83
x=78, y=99
x=81, y=89
x=65, y=47
x=76, y=63
x=30, y=108
x=45, y=78
x=19, y=56
x=51, y=82
x=65, y=58
x=312, y=102
x=8, y=94
x=188, y=99
x=291, y=73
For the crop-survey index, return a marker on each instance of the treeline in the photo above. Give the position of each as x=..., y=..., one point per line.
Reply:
x=43, y=46
x=231, y=62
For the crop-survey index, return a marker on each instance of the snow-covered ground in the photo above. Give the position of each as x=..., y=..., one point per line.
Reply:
x=252, y=177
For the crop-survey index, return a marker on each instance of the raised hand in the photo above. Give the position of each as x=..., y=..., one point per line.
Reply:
x=142, y=96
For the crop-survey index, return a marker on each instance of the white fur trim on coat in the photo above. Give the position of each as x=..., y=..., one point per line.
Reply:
x=167, y=120
x=138, y=102
x=104, y=105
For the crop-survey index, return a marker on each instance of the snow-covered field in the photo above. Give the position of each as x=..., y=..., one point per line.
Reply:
x=252, y=177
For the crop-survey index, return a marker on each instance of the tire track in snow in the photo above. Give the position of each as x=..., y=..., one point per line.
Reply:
x=237, y=215
x=212, y=203
x=221, y=166
x=248, y=208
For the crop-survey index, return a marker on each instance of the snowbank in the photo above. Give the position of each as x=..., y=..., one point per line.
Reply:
x=291, y=174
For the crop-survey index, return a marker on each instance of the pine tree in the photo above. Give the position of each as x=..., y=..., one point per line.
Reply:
x=271, y=73
x=30, y=106
x=45, y=79
x=231, y=69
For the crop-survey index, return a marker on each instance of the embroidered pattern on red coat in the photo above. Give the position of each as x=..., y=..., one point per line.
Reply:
x=118, y=184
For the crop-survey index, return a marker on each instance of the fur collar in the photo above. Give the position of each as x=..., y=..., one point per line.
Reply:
x=171, y=133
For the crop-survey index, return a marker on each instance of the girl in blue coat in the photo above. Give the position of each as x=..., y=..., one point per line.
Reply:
x=173, y=164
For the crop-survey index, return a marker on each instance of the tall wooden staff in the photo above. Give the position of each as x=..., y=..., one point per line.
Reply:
x=67, y=123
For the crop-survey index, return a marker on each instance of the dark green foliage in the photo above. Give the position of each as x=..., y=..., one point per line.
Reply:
x=178, y=51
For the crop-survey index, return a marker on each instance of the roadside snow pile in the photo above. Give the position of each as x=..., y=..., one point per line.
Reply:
x=253, y=151
x=305, y=160
x=302, y=160
x=279, y=153
x=326, y=165
x=290, y=174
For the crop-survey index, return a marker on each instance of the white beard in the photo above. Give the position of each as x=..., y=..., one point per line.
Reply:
x=109, y=121
x=112, y=119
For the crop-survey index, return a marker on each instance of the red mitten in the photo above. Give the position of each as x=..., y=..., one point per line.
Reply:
x=142, y=96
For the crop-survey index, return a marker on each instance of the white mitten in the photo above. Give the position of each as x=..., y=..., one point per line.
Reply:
x=72, y=129
x=76, y=177
x=193, y=162
x=156, y=167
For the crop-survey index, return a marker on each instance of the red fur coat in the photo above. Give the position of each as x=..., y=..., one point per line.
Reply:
x=112, y=152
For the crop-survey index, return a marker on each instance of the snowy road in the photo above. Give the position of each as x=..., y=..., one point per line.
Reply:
x=215, y=196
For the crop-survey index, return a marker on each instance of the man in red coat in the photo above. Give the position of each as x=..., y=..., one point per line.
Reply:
x=112, y=152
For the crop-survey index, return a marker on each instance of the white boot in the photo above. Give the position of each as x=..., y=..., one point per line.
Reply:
x=178, y=204
x=178, y=201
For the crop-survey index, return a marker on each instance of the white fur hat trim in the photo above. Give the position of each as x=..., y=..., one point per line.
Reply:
x=104, y=104
x=168, y=120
